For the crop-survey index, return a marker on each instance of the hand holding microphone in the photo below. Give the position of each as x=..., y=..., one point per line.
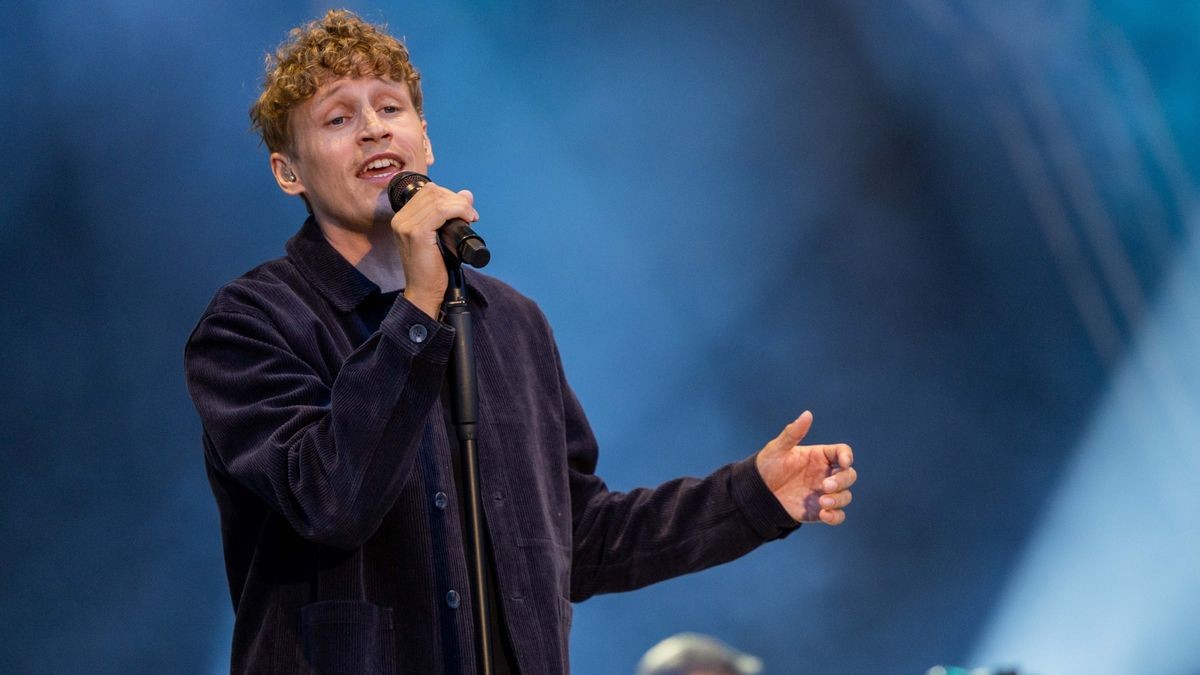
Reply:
x=418, y=228
x=458, y=240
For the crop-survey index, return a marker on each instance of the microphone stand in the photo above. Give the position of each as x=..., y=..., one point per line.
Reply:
x=464, y=414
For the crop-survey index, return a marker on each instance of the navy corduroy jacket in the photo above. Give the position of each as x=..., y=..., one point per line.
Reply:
x=327, y=450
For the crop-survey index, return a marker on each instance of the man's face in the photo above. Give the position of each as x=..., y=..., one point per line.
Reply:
x=348, y=141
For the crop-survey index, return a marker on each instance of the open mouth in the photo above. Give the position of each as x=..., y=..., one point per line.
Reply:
x=381, y=167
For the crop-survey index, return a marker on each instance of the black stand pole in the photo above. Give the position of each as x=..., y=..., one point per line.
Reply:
x=464, y=413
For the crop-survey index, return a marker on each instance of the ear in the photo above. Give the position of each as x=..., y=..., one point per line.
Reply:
x=285, y=173
x=428, y=143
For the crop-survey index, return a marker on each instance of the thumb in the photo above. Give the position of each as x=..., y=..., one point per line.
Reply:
x=794, y=432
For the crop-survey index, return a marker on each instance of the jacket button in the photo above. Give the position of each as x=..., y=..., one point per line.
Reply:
x=452, y=599
x=439, y=500
x=417, y=333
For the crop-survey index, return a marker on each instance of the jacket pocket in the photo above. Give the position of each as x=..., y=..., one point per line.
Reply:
x=348, y=636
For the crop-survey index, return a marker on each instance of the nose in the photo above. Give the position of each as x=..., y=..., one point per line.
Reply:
x=373, y=128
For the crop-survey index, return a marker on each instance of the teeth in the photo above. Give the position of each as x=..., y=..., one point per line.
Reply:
x=380, y=164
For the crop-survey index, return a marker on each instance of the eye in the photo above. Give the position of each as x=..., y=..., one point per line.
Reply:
x=390, y=109
x=337, y=121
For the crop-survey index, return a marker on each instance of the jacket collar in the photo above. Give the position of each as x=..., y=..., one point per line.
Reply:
x=333, y=276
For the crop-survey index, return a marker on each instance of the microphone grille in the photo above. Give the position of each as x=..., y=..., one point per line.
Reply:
x=403, y=186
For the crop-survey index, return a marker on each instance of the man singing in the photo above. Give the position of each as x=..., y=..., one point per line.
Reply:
x=320, y=379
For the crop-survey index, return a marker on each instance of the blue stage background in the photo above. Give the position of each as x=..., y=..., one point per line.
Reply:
x=962, y=233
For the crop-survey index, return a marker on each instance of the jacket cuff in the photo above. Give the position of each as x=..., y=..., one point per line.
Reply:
x=416, y=332
x=760, y=507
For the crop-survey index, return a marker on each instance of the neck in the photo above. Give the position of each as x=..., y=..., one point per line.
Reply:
x=374, y=253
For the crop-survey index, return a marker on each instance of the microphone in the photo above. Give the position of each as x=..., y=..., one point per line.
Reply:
x=458, y=240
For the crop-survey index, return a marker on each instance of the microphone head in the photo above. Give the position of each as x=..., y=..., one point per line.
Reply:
x=403, y=186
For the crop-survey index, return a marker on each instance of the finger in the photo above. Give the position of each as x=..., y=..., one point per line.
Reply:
x=473, y=215
x=839, y=455
x=837, y=500
x=449, y=205
x=793, y=432
x=833, y=516
x=433, y=191
x=839, y=481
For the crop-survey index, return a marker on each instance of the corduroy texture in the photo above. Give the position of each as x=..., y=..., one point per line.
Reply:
x=326, y=445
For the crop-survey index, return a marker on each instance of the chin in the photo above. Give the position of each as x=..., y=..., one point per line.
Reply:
x=383, y=211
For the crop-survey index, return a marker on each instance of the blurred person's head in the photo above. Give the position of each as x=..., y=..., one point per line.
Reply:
x=696, y=654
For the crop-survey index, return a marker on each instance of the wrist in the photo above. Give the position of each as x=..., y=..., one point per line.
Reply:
x=430, y=303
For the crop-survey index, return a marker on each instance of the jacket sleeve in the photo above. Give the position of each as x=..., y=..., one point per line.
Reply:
x=331, y=457
x=624, y=541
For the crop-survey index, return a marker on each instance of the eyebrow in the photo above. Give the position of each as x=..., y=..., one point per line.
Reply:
x=318, y=101
x=329, y=93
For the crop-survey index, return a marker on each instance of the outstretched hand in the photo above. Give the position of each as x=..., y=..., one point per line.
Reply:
x=811, y=481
